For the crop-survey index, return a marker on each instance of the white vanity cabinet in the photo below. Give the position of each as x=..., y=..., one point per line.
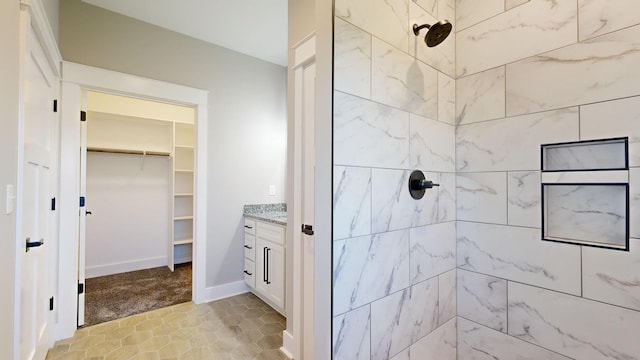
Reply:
x=267, y=279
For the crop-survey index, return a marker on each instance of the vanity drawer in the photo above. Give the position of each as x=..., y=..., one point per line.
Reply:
x=250, y=246
x=273, y=233
x=249, y=226
x=249, y=272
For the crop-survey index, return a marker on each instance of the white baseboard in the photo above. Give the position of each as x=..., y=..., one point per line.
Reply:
x=225, y=290
x=288, y=344
x=117, y=268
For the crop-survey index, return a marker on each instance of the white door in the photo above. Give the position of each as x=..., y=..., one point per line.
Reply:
x=40, y=86
x=308, y=204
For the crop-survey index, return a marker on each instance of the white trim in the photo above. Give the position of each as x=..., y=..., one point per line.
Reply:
x=68, y=211
x=214, y=293
x=42, y=28
x=17, y=309
x=76, y=78
x=288, y=342
x=304, y=50
x=116, y=268
x=324, y=13
x=93, y=78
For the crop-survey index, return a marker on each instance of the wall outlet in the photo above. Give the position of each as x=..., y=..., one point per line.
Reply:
x=272, y=190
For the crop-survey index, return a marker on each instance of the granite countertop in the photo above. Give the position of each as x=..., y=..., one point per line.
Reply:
x=273, y=213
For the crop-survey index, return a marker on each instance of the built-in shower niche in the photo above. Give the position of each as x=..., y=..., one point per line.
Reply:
x=586, y=214
x=591, y=155
x=585, y=193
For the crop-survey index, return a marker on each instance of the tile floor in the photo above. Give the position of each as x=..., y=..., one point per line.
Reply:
x=239, y=327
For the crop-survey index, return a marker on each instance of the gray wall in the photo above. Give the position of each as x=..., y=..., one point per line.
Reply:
x=247, y=112
x=9, y=73
x=51, y=7
x=302, y=19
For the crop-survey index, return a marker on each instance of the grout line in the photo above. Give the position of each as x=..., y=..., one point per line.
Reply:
x=511, y=336
x=581, y=274
x=577, y=21
x=580, y=122
x=506, y=191
x=578, y=297
x=506, y=325
x=505, y=90
x=370, y=327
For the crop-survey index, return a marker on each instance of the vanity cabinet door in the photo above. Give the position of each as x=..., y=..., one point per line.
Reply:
x=275, y=257
x=261, y=266
x=270, y=271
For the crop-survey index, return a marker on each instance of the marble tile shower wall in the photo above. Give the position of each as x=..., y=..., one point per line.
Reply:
x=394, y=274
x=529, y=73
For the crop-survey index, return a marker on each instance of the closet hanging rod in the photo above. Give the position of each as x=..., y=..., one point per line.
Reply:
x=126, y=151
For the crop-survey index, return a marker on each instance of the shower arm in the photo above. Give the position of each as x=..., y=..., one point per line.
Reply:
x=416, y=28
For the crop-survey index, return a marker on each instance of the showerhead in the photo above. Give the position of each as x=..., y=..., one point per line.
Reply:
x=436, y=34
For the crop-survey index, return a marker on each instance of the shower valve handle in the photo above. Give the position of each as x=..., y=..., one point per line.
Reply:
x=418, y=184
x=422, y=184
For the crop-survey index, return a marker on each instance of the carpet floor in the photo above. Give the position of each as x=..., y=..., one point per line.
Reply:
x=120, y=295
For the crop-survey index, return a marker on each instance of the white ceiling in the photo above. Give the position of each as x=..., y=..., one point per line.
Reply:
x=254, y=27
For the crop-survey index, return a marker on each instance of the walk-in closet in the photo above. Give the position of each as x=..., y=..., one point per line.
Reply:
x=139, y=203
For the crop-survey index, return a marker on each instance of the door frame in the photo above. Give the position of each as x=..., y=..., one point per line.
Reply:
x=315, y=48
x=304, y=54
x=76, y=78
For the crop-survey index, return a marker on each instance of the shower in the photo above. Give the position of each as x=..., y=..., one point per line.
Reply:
x=436, y=34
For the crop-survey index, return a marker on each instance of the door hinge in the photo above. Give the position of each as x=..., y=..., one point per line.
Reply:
x=82, y=201
x=53, y=204
x=83, y=116
x=51, y=304
x=307, y=229
x=55, y=105
x=80, y=289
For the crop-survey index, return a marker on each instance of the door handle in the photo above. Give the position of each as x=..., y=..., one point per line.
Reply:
x=267, y=272
x=248, y=247
x=31, y=244
x=248, y=273
x=248, y=227
x=307, y=229
x=264, y=264
x=88, y=213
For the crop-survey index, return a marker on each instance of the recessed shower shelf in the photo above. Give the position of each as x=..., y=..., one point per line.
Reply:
x=586, y=214
x=585, y=193
x=589, y=155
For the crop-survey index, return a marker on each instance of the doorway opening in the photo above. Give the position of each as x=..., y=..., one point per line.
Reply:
x=137, y=212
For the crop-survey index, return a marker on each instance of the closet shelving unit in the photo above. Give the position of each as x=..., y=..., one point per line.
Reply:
x=183, y=171
x=115, y=133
